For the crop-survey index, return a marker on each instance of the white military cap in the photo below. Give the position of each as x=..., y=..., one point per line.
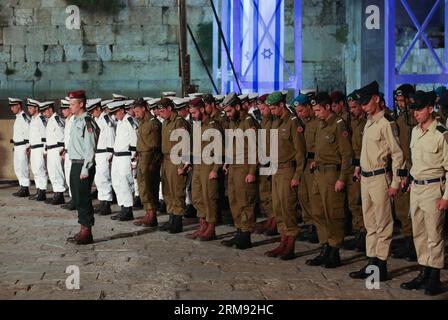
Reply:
x=46, y=105
x=115, y=106
x=219, y=98
x=128, y=104
x=32, y=103
x=93, y=103
x=13, y=101
x=168, y=94
x=119, y=97
x=196, y=95
x=104, y=103
x=153, y=103
x=180, y=103
x=65, y=104
x=252, y=96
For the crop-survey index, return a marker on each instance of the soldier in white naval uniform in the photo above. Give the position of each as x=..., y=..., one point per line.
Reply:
x=20, y=139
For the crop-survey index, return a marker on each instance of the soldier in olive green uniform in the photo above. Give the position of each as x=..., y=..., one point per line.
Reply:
x=149, y=153
x=405, y=123
x=174, y=176
x=429, y=193
x=291, y=163
x=310, y=206
x=332, y=172
x=379, y=145
x=358, y=121
x=269, y=228
x=205, y=174
x=338, y=106
x=242, y=185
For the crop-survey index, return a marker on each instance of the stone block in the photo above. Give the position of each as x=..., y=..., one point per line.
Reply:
x=73, y=52
x=128, y=34
x=17, y=53
x=15, y=35
x=104, y=52
x=130, y=53
x=5, y=53
x=23, y=17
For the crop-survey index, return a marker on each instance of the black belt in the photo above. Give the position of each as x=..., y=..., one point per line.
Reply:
x=310, y=155
x=430, y=181
x=77, y=161
x=369, y=174
x=53, y=146
x=122, y=154
x=132, y=148
x=22, y=143
x=105, y=150
x=37, y=146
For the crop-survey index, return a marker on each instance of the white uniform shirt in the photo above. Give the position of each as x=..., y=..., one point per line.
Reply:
x=126, y=137
x=107, y=126
x=55, y=131
x=37, y=130
x=21, y=129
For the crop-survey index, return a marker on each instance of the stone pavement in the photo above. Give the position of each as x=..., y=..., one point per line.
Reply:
x=127, y=262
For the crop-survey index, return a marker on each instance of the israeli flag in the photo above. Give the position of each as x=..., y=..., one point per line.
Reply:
x=262, y=45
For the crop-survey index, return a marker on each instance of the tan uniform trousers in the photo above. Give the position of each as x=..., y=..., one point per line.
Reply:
x=377, y=213
x=265, y=187
x=402, y=204
x=329, y=221
x=284, y=200
x=427, y=224
x=354, y=204
x=173, y=187
x=242, y=197
x=205, y=193
x=308, y=203
x=148, y=179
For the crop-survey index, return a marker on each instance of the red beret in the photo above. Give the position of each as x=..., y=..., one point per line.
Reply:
x=81, y=94
x=196, y=103
x=337, y=96
x=263, y=98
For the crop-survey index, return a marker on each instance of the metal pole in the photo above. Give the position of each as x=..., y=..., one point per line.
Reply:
x=184, y=58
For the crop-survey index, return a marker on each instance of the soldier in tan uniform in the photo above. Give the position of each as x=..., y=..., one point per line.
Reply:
x=429, y=194
x=338, y=106
x=291, y=163
x=378, y=183
x=242, y=185
x=205, y=175
x=332, y=172
x=174, y=176
x=149, y=156
x=269, y=228
x=358, y=122
x=310, y=207
x=405, y=122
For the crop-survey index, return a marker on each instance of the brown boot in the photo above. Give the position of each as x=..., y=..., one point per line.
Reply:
x=199, y=231
x=148, y=221
x=209, y=233
x=272, y=229
x=75, y=238
x=85, y=237
x=288, y=253
x=263, y=228
x=279, y=250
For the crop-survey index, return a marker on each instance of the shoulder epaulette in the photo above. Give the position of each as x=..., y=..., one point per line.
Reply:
x=43, y=119
x=89, y=124
x=26, y=118
x=389, y=118
x=107, y=119
x=133, y=124
x=59, y=121
x=441, y=128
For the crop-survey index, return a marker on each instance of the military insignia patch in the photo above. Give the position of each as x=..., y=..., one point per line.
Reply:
x=345, y=134
x=299, y=130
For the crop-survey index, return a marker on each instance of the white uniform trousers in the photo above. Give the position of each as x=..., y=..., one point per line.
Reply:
x=103, y=179
x=39, y=168
x=55, y=170
x=21, y=167
x=123, y=180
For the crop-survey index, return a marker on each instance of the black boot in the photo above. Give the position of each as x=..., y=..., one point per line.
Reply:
x=42, y=195
x=105, y=209
x=176, y=225
x=434, y=286
x=404, y=251
x=361, y=245
x=94, y=195
x=58, y=199
x=362, y=274
x=69, y=206
x=167, y=225
x=229, y=243
x=412, y=253
x=333, y=260
x=304, y=235
x=99, y=207
x=137, y=203
x=312, y=236
x=190, y=212
x=382, y=265
x=419, y=282
x=162, y=207
x=351, y=244
x=243, y=242
x=321, y=258
x=22, y=193
x=126, y=214
x=34, y=196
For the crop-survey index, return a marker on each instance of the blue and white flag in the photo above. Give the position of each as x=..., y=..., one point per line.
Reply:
x=262, y=45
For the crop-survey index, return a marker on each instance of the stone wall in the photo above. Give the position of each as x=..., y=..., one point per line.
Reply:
x=135, y=51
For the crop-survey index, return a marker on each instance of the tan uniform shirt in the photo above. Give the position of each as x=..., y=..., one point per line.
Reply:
x=380, y=144
x=291, y=142
x=149, y=136
x=311, y=127
x=333, y=146
x=205, y=125
x=430, y=153
x=357, y=125
x=246, y=122
x=405, y=125
x=169, y=125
